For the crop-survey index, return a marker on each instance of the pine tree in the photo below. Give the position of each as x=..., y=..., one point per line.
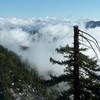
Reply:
x=88, y=75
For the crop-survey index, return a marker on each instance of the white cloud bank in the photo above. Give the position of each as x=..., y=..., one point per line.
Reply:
x=41, y=36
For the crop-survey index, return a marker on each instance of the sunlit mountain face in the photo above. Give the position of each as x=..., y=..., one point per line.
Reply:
x=35, y=39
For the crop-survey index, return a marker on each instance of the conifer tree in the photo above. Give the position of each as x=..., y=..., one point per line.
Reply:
x=89, y=76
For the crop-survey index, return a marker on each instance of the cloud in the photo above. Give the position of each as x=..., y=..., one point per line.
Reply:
x=40, y=36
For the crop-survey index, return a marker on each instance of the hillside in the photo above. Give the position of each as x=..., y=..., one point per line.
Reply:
x=18, y=81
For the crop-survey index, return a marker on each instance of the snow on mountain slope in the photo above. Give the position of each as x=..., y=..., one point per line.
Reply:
x=35, y=39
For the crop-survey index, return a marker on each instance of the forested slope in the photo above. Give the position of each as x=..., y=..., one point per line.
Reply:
x=18, y=81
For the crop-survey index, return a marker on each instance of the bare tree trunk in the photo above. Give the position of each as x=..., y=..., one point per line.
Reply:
x=76, y=64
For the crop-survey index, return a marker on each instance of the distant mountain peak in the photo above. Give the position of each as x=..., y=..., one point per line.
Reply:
x=92, y=24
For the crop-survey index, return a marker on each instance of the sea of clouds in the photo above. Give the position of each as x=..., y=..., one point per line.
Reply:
x=35, y=39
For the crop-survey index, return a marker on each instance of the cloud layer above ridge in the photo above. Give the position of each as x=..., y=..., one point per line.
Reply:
x=35, y=39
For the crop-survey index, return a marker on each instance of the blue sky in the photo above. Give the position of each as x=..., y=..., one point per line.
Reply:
x=51, y=8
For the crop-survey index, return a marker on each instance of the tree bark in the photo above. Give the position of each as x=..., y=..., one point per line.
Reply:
x=76, y=64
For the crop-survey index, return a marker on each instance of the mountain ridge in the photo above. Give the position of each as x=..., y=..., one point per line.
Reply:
x=18, y=81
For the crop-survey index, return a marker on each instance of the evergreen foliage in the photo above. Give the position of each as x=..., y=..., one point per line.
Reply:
x=89, y=75
x=19, y=81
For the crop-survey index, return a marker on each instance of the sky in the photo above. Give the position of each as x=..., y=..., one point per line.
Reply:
x=76, y=9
